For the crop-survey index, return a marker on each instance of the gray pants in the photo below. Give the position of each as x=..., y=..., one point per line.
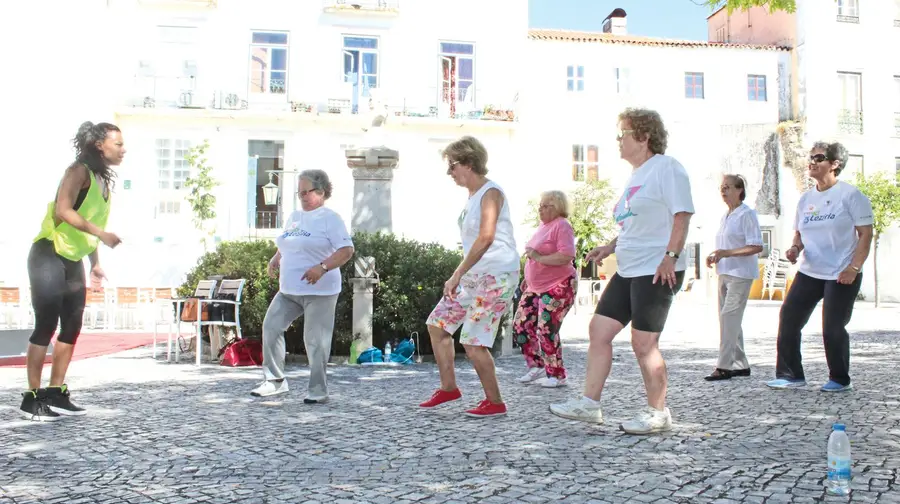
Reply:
x=733, y=295
x=318, y=329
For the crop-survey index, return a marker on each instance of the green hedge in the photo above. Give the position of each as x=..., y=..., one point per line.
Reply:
x=412, y=276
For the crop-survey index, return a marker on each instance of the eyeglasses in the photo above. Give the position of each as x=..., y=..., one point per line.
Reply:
x=451, y=165
x=818, y=158
x=621, y=134
x=725, y=187
x=305, y=192
x=545, y=206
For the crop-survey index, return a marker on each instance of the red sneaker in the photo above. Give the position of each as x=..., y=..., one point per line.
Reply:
x=487, y=409
x=440, y=397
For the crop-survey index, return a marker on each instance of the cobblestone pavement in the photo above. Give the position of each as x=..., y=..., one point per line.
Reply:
x=173, y=433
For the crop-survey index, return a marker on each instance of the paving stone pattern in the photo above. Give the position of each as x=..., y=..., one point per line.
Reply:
x=173, y=433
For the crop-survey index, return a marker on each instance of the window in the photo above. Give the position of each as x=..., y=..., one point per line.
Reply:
x=268, y=63
x=693, y=85
x=897, y=105
x=360, y=67
x=897, y=169
x=575, y=78
x=850, y=109
x=855, y=165
x=766, y=241
x=756, y=87
x=897, y=13
x=172, y=171
x=457, y=78
x=623, y=81
x=167, y=74
x=848, y=11
x=585, y=167
x=172, y=167
x=720, y=35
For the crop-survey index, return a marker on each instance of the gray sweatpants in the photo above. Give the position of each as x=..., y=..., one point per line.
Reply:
x=318, y=329
x=733, y=294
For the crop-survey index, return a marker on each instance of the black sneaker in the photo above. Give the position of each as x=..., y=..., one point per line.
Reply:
x=34, y=407
x=58, y=401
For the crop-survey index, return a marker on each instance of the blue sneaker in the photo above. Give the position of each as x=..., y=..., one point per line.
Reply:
x=782, y=383
x=833, y=386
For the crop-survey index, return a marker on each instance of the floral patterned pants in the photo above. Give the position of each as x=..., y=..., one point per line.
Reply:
x=538, y=319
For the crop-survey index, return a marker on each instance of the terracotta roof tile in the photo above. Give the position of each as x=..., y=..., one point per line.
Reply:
x=608, y=38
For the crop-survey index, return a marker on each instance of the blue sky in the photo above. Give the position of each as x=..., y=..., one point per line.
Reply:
x=680, y=19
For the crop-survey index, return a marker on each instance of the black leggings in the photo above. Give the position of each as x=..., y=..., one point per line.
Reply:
x=57, y=294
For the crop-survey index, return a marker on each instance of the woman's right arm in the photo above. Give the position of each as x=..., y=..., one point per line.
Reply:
x=74, y=179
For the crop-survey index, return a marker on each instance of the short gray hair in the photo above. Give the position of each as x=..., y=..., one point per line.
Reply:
x=319, y=180
x=559, y=201
x=834, y=152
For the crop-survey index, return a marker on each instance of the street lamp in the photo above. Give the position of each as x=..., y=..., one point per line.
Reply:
x=270, y=191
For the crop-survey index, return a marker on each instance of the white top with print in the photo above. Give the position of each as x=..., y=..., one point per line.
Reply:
x=827, y=223
x=501, y=256
x=656, y=191
x=738, y=229
x=308, y=239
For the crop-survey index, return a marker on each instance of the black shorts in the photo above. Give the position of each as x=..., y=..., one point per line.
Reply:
x=639, y=301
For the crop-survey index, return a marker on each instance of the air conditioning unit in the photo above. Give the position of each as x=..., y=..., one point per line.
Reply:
x=223, y=100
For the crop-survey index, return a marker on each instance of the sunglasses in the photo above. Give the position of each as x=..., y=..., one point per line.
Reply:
x=451, y=165
x=621, y=134
x=818, y=158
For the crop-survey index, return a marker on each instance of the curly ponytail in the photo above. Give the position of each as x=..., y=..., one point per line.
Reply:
x=87, y=153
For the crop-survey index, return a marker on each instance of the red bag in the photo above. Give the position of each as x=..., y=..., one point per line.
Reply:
x=243, y=352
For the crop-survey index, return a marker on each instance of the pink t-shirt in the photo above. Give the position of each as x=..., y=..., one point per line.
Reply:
x=554, y=236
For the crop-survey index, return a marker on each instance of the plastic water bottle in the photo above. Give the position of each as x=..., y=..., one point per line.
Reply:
x=838, y=482
x=387, y=352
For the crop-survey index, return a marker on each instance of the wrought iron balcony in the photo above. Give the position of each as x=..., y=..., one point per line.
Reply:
x=268, y=220
x=850, y=122
x=363, y=6
x=897, y=124
x=848, y=19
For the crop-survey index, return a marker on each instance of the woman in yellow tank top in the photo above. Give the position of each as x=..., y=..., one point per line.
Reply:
x=72, y=228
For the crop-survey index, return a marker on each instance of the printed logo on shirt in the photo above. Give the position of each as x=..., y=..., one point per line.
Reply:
x=812, y=214
x=623, y=208
x=294, y=231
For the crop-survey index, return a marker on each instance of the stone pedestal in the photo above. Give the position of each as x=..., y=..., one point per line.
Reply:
x=363, y=298
x=373, y=171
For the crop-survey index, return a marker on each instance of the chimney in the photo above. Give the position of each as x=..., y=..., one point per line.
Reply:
x=615, y=23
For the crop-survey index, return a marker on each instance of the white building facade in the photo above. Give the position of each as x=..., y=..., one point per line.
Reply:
x=842, y=89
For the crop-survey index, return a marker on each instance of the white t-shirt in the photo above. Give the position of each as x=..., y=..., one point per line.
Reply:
x=827, y=223
x=656, y=191
x=501, y=256
x=739, y=229
x=308, y=239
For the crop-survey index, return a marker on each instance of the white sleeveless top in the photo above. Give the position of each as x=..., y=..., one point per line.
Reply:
x=501, y=256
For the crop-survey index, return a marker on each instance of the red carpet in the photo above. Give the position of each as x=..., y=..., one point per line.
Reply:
x=94, y=345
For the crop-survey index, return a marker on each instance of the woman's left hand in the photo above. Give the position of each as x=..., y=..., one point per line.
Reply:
x=97, y=278
x=313, y=274
x=848, y=276
x=450, y=287
x=665, y=272
x=533, y=255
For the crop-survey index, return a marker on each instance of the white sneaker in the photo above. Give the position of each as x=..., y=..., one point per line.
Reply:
x=270, y=388
x=551, y=382
x=649, y=421
x=578, y=409
x=532, y=375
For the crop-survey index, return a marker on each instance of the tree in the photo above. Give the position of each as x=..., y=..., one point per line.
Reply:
x=732, y=5
x=590, y=214
x=884, y=194
x=201, y=183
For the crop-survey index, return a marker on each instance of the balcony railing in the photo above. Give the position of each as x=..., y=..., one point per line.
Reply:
x=850, y=122
x=850, y=17
x=268, y=220
x=897, y=124
x=363, y=6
